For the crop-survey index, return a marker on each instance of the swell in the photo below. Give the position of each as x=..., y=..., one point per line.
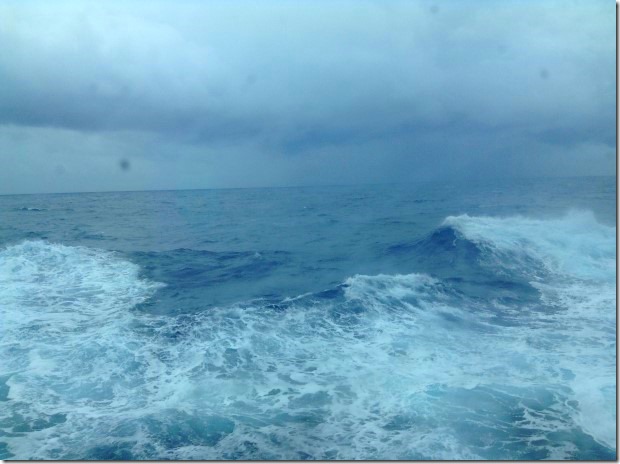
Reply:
x=192, y=268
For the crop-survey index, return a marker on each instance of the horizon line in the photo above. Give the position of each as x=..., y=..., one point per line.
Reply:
x=451, y=181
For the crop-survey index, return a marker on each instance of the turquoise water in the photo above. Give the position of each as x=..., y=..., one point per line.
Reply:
x=429, y=321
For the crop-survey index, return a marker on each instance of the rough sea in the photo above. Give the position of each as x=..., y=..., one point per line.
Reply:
x=427, y=321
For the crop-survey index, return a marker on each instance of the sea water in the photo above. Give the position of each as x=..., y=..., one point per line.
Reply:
x=427, y=321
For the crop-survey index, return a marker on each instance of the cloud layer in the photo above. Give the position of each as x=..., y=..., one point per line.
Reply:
x=244, y=93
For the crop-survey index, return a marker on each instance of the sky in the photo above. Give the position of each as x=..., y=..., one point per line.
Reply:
x=141, y=95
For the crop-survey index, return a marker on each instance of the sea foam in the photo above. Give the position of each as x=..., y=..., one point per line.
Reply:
x=389, y=366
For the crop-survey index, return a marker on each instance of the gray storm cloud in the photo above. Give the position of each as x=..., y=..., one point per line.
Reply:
x=239, y=93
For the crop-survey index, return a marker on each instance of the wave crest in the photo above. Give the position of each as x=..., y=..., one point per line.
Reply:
x=575, y=245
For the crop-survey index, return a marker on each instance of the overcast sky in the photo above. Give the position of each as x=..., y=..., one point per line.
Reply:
x=139, y=95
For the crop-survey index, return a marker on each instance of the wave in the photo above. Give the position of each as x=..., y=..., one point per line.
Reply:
x=383, y=366
x=25, y=208
x=575, y=245
x=571, y=261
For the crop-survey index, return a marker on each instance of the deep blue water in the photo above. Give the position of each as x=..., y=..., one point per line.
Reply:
x=430, y=321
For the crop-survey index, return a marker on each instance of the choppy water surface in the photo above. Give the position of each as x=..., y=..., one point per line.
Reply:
x=370, y=322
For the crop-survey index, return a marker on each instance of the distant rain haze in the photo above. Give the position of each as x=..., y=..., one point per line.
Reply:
x=139, y=95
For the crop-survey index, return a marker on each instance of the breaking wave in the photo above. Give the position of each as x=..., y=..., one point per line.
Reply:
x=384, y=366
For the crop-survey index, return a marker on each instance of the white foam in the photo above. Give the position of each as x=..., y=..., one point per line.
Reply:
x=65, y=312
x=395, y=369
x=575, y=245
x=578, y=254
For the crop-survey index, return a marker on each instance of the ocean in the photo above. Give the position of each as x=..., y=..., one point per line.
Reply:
x=472, y=320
